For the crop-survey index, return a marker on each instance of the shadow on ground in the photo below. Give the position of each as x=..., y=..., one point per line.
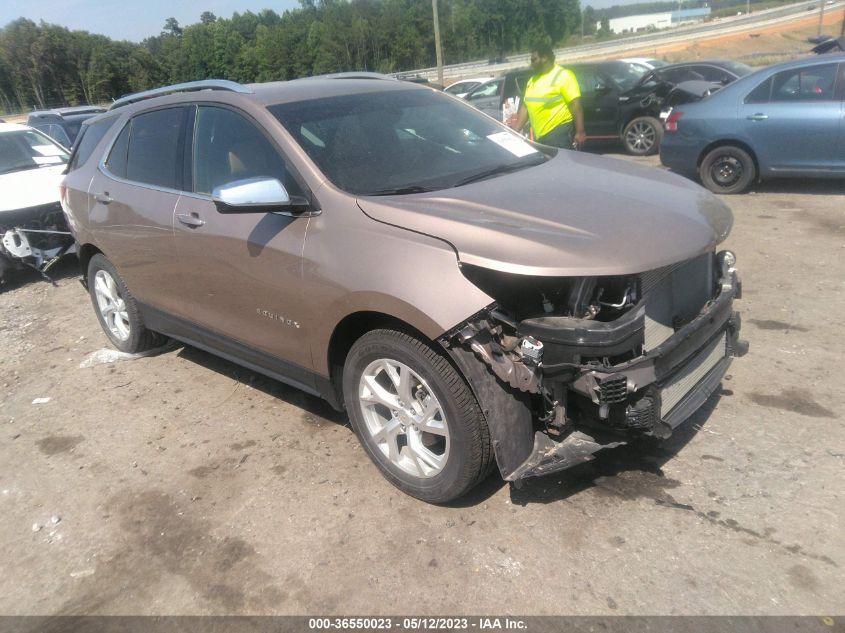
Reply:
x=629, y=471
x=312, y=404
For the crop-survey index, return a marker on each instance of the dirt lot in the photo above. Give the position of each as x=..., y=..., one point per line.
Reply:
x=183, y=484
x=757, y=47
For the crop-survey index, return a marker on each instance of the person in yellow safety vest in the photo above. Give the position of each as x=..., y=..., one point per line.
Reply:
x=552, y=101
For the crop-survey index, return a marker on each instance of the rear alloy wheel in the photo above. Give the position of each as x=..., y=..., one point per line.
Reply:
x=117, y=310
x=642, y=136
x=415, y=416
x=727, y=169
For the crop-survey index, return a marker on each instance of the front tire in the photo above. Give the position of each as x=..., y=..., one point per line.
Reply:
x=727, y=169
x=415, y=416
x=642, y=136
x=117, y=309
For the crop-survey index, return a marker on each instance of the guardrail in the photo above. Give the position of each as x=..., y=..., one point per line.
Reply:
x=763, y=18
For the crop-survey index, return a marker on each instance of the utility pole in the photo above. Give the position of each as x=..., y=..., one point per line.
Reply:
x=437, y=48
x=748, y=7
x=821, y=16
x=842, y=30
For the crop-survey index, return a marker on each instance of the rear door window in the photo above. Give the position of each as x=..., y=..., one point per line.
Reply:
x=761, y=93
x=814, y=83
x=155, y=148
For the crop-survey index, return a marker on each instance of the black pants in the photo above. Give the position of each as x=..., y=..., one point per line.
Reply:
x=561, y=136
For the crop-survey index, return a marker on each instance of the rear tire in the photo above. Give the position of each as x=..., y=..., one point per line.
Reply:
x=642, y=136
x=415, y=416
x=117, y=309
x=728, y=170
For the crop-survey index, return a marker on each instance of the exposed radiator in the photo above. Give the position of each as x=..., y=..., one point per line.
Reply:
x=673, y=295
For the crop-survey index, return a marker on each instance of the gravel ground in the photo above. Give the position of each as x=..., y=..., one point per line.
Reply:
x=184, y=484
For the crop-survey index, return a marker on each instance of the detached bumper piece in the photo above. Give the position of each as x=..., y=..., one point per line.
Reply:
x=643, y=374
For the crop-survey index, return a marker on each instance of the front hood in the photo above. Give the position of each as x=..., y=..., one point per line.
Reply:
x=577, y=214
x=30, y=188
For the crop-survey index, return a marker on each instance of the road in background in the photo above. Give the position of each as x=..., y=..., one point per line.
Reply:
x=621, y=47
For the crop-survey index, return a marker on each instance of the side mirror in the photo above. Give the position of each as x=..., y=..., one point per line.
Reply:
x=258, y=195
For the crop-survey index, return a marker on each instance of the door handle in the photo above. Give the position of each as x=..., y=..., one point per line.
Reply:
x=757, y=117
x=103, y=198
x=192, y=220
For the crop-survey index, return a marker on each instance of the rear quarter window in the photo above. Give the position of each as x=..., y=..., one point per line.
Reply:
x=90, y=136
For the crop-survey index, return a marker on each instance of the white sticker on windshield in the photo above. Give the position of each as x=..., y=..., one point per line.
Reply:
x=514, y=144
x=48, y=150
x=47, y=160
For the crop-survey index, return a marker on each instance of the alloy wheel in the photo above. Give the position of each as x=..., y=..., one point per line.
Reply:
x=404, y=418
x=641, y=137
x=111, y=305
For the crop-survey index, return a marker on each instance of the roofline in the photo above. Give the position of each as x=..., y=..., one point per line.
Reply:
x=190, y=86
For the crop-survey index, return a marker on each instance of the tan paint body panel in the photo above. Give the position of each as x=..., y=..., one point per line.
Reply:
x=398, y=255
x=566, y=218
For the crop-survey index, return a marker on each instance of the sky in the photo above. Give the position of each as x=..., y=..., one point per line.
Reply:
x=130, y=19
x=136, y=19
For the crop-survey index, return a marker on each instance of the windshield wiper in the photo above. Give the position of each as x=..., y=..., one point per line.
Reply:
x=496, y=171
x=398, y=191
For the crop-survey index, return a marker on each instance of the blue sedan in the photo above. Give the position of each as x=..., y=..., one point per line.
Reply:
x=785, y=120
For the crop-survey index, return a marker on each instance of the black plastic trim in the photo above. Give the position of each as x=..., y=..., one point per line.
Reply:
x=585, y=334
x=236, y=352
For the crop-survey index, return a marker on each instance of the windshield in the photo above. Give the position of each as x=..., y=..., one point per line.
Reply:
x=625, y=74
x=397, y=142
x=462, y=87
x=28, y=149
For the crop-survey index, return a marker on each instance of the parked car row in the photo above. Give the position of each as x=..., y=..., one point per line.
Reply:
x=622, y=99
x=716, y=120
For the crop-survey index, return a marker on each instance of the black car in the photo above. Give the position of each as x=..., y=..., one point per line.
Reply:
x=62, y=124
x=720, y=71
x=609, y=112
x=620, y=102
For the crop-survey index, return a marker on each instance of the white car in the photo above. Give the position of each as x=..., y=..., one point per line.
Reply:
x=33, y=230
x=463, y=87
x=645, y=63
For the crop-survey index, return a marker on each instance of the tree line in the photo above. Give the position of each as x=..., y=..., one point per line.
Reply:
x=46, y=65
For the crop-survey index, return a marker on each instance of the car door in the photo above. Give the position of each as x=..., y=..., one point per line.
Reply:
x=488, y=98
x=240, y=273
x=132, y=198
x=600, y=102
x=794, y=119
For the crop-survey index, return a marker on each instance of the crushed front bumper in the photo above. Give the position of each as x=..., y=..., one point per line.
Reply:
x=649, y=395
x=592, y=402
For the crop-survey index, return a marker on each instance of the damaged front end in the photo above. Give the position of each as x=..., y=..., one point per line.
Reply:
x=34, y=237
x=593, y=361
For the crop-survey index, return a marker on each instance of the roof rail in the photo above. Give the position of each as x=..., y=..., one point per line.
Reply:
x=362, y=74
x=190, y=86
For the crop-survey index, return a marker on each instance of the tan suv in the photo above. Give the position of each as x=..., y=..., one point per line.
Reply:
x=471, y=299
